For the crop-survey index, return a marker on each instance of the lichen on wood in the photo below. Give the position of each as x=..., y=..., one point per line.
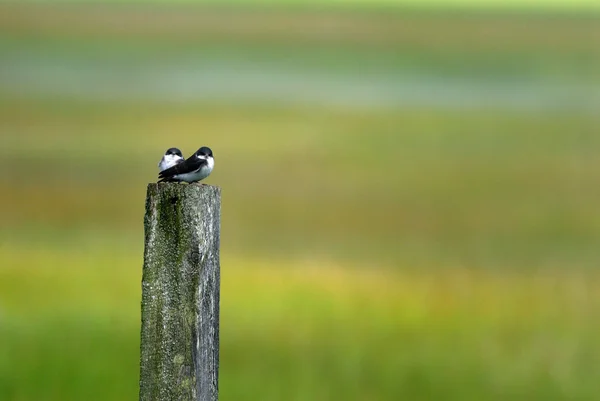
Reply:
x=179, y=356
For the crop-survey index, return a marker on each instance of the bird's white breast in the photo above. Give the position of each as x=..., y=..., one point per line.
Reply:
x=210, y=163
x=168, y=161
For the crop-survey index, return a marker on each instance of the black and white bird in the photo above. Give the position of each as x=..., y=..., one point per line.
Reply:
x=171, y=157
x=195, y=168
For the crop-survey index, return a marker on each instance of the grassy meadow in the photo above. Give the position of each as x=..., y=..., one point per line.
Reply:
x=371, y=250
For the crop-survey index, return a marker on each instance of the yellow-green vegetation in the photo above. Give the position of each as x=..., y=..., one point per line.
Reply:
x=406, y=252
x=468, y=5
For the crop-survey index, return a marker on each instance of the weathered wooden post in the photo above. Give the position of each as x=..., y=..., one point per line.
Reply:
x=179, y=357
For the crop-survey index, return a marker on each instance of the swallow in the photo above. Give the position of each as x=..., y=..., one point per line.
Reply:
x=171, y=157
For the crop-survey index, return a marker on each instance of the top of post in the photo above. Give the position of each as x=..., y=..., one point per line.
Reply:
x=183, y=186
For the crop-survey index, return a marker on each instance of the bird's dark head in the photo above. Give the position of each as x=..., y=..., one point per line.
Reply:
x=204, y=152
x=174, y=151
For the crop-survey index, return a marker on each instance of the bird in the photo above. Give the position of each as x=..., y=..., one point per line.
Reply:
x=195, y=168
x=171, y=157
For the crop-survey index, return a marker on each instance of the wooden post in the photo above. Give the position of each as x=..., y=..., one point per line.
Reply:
x=179, y=358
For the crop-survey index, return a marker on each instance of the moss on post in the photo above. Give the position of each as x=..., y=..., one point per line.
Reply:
x=179, y=357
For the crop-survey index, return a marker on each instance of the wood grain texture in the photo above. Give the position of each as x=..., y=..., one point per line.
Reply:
x=179, y=358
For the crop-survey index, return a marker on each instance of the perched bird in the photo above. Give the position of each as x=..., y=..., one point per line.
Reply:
x=195, y=168
x=171, y=157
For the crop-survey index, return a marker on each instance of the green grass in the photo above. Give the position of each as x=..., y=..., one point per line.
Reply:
x=412, y=253
x=310, y=331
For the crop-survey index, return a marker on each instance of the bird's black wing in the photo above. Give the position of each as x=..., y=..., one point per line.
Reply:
x=187, y=166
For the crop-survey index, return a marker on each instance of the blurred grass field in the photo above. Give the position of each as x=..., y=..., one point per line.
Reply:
x=369, y=252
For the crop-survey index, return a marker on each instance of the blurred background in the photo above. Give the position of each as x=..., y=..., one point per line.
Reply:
x=410, y=194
